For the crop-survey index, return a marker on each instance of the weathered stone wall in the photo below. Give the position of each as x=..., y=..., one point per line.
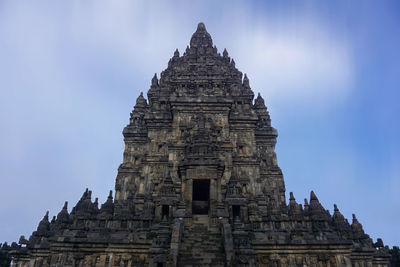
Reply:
x=199, y=186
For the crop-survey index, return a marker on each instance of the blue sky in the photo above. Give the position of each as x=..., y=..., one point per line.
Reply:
x=70, y=73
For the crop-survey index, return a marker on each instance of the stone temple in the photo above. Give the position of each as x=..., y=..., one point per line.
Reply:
x=199, y=186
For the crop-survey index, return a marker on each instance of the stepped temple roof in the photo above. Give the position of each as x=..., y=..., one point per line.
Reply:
x=199, y=185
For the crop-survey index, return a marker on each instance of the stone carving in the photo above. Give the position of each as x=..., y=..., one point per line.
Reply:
x=199, y=185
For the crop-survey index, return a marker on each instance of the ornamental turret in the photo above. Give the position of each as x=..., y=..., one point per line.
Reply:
x=63, y=215
x=108, y=206
x=201, y=39
x=44, y=225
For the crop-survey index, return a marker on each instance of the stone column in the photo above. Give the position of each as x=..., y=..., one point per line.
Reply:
x=213, y=193
x=189, y=195
x=218, y=190
x=157, y=215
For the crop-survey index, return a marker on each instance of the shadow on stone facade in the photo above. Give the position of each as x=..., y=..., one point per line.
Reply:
x=199, y=186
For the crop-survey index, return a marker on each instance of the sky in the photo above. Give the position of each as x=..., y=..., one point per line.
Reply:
x=70, y=73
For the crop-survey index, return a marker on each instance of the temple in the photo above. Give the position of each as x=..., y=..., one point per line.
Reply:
x=199, y=185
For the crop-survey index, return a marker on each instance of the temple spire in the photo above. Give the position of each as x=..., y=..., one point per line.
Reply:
x=314, y=202
x=313, y=196
x=294, y=208
x=225, y=53
x=141, y=101
x=246, y=82
x=201, y=38
x=44, y=224
x=65, y=207
x=259, y=102
x=108, y=206
x=176, y=53
x=63, y=215
x=337, y=216
x=356, y=225
x=154, y=80
x=291, y=198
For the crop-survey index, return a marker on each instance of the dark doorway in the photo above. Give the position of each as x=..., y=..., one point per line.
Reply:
x=236, y=211
x=165, y=211
x=201, y=196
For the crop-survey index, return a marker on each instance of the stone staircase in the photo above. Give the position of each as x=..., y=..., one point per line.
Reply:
x=201, y=246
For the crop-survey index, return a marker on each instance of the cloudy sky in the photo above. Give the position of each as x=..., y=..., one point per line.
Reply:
x=70, y=72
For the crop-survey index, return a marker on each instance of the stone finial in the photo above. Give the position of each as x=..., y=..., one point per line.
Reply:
x=225, y=53
x=259, y=103
x=233, y=64
x=154, y=81
x=140, y=101
x=201, y=38
x=306, y=205
x=23, y=240
x=379, y=243
x=108, y=206
x=313, y=196
x=356, y=225
x=338, y=217
x=294, y=208
x=246, y=82
x=44, y=223
x=63, y=215
x=138, y=112
x=84, y=204
x=85, y=193
x=176, y=53
x=315, y=205
x=215, y=50
x=201, y=27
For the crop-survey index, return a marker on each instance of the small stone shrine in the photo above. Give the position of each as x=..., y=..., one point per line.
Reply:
x=199, y=186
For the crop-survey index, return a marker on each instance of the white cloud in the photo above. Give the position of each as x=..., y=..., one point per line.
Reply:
x=300, y=61
x=284, y=59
